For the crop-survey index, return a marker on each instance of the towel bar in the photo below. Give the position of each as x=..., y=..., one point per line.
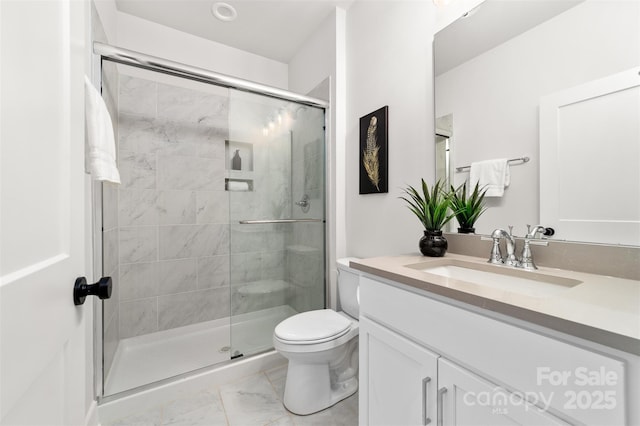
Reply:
x=522, y=159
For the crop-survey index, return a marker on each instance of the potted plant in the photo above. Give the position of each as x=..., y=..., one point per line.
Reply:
x=467, y=209
x=431, y=207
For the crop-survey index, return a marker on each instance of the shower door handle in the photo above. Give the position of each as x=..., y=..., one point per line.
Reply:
x=262, y=222
x=81, y=289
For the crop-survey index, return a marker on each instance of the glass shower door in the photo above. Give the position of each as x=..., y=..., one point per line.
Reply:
x=275, y=181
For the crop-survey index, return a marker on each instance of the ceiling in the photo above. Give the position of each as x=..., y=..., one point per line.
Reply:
x=489, y=25
x=271, y=28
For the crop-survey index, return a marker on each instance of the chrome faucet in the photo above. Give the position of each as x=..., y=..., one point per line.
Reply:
x=496, y=256
x=526, y=259
x=527, y=256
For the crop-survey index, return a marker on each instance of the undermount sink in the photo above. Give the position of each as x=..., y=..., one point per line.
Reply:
x=514, y=280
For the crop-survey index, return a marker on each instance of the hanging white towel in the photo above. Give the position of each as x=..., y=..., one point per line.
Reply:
x=491, y=174
x=100, y=149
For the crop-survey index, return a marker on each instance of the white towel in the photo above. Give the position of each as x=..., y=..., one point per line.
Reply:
x=100, y=149
x=491, y=174
x=235, y=185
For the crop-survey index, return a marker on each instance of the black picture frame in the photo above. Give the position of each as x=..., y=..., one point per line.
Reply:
x=374, y=154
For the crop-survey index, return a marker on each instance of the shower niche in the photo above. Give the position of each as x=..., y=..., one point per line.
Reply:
x=239, y=166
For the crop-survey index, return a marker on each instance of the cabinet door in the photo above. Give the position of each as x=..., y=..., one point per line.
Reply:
x=397, y=378
x=466, y=399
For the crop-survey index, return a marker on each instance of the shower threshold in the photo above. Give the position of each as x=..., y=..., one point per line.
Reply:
x=146, y=359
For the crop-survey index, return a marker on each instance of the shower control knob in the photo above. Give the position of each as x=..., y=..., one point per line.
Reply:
x=81, y=289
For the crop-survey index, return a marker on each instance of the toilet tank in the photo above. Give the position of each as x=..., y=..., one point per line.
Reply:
x=348, y=283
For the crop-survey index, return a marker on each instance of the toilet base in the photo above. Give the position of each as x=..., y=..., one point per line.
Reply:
x=303, y=398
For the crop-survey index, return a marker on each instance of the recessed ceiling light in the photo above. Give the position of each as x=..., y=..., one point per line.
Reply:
x=471, y=12
x=224, y=11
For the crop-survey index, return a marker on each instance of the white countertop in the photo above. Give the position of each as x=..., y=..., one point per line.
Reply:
x=602, y=309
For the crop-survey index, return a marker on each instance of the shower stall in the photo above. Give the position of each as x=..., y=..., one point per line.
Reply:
x=217, y=230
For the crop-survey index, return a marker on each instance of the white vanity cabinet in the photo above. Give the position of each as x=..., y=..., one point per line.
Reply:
x=401, y=378
x=465, y=398
x=479, y=370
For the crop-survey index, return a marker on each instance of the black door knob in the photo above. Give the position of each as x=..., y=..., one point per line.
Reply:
x=81, y=289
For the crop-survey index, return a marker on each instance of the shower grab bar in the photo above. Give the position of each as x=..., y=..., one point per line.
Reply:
x=511, y=160
x=261, y=222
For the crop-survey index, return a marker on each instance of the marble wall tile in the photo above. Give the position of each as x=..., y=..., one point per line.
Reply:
x=139, y=135
x=110, y=306
x=138, y=280
x=245, y=267
x=212, y=145
x=183, y=241
x=213, y=271
x=273, y=265
x=186, y=105
x=247, y=238
x=243, y=301
x=177, y=310
x=176, y=207
x=109, y=206
x=138, y=96
x=110, y=341
x=110, y=251
x=304, y=265
x=212, y=206
x=193, y=173
x=177, y=276
x=137, y=170
x=138, y=207
x=138, y=244
x=138, y=317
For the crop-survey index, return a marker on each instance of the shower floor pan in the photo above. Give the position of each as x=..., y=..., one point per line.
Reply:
x=152, y=357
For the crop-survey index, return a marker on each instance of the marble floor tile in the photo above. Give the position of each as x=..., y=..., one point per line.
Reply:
x=251, y=401
x=283, y=421
x=147, y=418
x=278, y=377
x=205, y=416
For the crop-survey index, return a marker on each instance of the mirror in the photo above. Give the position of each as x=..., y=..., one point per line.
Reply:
x=503, y=73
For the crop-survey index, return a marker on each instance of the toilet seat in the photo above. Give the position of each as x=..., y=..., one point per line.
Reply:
x=312, y=327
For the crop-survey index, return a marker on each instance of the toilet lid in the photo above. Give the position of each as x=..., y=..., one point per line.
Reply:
x=313, y=326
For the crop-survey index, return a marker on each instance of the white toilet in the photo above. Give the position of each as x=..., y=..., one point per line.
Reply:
x=322, y=349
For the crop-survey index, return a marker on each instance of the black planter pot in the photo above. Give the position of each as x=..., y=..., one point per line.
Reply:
x=466, y=230
x=433, y=244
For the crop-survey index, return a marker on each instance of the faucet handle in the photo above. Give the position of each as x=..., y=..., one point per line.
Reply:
x=511, y=230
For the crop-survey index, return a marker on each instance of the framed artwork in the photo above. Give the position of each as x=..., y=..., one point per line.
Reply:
x=374, y=158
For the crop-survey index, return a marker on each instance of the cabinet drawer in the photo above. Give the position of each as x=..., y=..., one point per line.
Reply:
x=584, y=385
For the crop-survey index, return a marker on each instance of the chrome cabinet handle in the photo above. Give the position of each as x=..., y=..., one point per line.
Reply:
x=440, y=413
x=425, y=418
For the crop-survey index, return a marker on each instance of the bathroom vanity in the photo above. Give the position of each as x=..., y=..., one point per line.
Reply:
x=450, y=341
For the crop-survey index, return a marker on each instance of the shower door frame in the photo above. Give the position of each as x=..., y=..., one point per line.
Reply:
x=104, y=52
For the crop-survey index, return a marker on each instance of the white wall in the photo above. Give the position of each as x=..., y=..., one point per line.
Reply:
x=494, y=97
x=389, y=51
x=131, y=32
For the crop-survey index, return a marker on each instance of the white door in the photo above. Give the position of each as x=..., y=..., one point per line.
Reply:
x=42, y=212
x=466, y=399
x=397, y=379
x=593, y=131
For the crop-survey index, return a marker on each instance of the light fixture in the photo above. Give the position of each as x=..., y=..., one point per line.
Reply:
x=471, y=12
x=224, y=11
